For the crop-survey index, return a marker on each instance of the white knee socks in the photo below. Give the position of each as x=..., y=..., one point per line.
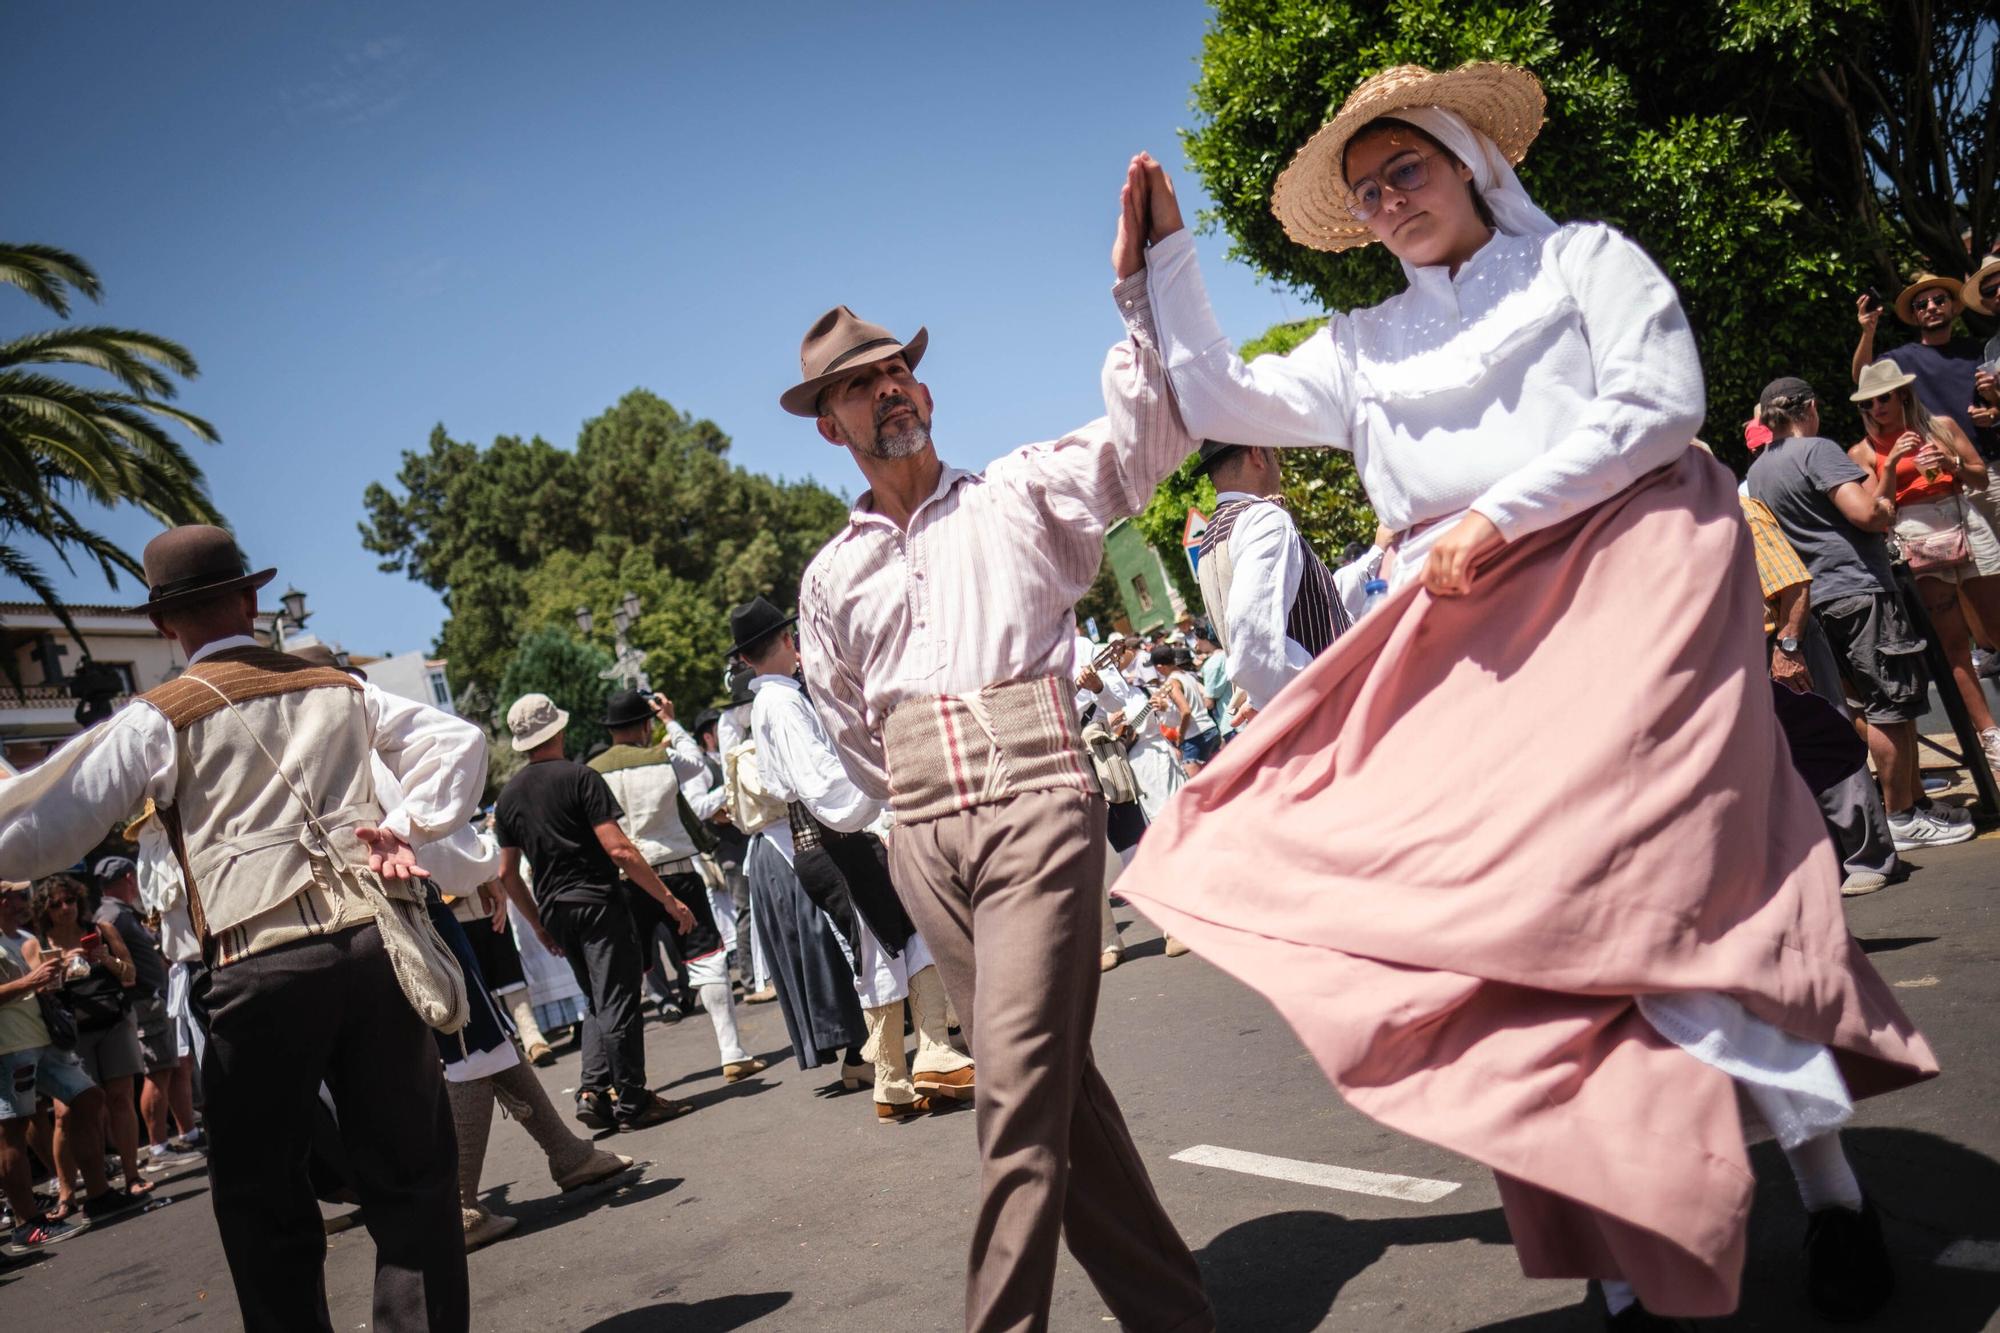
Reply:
x=1825, y=1179
x=715, y=999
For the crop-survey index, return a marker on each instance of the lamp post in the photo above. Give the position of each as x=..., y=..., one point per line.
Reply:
x=630, y=666
x=292, y=609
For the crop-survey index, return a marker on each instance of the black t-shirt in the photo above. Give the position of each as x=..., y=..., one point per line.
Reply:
x=1944, y=384
x=550, y=812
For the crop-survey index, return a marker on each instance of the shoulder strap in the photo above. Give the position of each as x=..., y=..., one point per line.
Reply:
x=241, y=674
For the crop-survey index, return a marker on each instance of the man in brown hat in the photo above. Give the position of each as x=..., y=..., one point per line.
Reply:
x=259, y=766
x=1946, y=365
x=938, y=641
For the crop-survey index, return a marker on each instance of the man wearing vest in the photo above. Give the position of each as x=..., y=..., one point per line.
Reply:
x=646, y=780
x=1274, y=603
x=258, y=764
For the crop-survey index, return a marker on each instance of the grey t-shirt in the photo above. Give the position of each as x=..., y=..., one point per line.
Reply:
x=1796, y=478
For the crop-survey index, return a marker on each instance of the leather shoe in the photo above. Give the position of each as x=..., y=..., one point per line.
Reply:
x=887, y=1113
x=857, y=1076
x=540, y=1054
x=600, y=1165
x=483, y=1227
x=1109, y=959
x=653, y=1111
x=1175, y=948
x=593, y=1108
x=1848, y=1273
x=738, y=1070
x=957, y=1085
x=765, y=996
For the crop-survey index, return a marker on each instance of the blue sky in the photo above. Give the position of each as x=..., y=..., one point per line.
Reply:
x=365, y=219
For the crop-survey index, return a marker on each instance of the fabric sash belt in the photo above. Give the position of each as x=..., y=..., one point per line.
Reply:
x=951, y=752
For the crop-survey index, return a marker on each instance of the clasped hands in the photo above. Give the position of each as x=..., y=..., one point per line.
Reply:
x=1148, y=213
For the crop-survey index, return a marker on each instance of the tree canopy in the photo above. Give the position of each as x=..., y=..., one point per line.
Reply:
x=1775, y=156
x=521, y=533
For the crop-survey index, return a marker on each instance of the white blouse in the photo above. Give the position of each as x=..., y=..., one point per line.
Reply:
x=1548, y=375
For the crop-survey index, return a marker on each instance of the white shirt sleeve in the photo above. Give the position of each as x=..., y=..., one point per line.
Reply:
x=438, y=760
x=837, y=694
x=684, y=753
x=799, y=763
x=62, y=807
x=1264, y=551
x=1650, y=394
x=1350, y=581
x=1303, y=398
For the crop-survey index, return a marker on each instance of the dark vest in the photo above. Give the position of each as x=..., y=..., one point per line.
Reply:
x=1317, y=616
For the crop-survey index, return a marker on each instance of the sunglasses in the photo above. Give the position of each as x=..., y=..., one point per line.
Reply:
x=1988, y=291
x=1407, y=176
x=1929, y=299
x=1879, y=399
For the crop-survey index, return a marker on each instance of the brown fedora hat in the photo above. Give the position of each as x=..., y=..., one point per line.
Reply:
x=187, y=563
x=838, y=343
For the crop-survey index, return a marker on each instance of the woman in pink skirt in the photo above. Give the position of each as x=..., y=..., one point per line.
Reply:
x=1548, y=892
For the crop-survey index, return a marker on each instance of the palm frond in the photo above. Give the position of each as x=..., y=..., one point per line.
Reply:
x=138, y=360
x=47, y=274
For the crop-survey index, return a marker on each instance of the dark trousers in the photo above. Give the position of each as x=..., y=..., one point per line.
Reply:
x=602, y=949
x=655, y=930
x=328, y=1009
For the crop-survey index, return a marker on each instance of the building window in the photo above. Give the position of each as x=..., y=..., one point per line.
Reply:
x=440, y=690
x=1144, y=593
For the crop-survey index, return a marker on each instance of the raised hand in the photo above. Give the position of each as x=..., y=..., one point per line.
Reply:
x=1128, y=249
x=1162, y=208
x=1867, y=312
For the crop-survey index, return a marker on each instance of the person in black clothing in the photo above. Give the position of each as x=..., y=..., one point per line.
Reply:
x=563, y=818
x=1946, y=366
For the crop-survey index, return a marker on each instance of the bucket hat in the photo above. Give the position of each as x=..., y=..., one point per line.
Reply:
x=532, y=719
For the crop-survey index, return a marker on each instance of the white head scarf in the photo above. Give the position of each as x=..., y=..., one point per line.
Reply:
x=1513, y=211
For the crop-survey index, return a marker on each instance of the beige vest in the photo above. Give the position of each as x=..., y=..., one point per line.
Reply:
x=256, y=873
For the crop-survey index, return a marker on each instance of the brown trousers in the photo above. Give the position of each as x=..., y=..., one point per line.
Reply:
x=1006, y=895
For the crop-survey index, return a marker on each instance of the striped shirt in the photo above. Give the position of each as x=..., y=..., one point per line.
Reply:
x=979, y=589
x=1778, y=565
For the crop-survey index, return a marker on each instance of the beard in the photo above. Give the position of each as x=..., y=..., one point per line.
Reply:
x=910, y=436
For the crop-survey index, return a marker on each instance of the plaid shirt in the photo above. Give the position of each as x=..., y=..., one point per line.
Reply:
x=1778, y=565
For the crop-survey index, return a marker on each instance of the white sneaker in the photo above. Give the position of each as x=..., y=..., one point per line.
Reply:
x=1951, y=816
x=1923, y=830
x=1989, y=741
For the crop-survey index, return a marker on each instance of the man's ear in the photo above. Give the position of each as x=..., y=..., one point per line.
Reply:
x=830, y=431
x=166, y=630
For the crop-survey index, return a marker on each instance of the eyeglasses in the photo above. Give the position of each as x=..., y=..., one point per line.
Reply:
x=1407, y=176
x=1929, y=299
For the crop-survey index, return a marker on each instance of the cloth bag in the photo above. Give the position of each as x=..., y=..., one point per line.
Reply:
x=425, y=967
x=1939, y=550
x=1114, y=770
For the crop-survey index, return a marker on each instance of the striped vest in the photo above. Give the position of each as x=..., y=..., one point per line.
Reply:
x=1316, y=617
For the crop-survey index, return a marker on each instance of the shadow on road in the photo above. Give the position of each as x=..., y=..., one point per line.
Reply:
x=715, y=1071
x=712, y=1316
x=1891, y=943
x=541, y=1214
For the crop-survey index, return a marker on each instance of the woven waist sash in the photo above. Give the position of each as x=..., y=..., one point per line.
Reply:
x=950, y=752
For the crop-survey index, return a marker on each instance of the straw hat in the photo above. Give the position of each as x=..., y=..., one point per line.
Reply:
x=1969, y=293
x=1924, y=282
x=1878, y=378
x=1311, y=199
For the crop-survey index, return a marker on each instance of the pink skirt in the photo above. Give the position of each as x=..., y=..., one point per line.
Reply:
x=1455, y=848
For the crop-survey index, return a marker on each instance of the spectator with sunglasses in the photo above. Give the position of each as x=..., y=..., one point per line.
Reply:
x=1946, y=366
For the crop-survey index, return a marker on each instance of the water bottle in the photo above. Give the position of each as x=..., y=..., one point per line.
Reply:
x=1373, y=594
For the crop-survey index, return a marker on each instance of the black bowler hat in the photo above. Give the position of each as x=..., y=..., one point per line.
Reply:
x=1211, y=453
x=194, y=561
x=625, y=707
x=755, y=621
x=707, y=720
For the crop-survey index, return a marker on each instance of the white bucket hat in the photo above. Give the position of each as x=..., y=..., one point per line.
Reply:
x=534, y=718
x=1878, y=378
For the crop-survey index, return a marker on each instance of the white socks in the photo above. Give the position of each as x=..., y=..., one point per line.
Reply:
x=721, y=1013
x=1825, y=1179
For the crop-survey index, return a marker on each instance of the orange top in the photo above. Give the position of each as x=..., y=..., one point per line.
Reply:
x=1911, y=488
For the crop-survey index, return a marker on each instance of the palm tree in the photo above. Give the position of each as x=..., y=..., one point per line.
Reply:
x=60, y=440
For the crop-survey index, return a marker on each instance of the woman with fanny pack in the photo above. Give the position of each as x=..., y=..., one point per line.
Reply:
x=1947, y=539
x=107, y=1031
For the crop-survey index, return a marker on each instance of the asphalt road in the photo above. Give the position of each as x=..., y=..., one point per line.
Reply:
x=781, y=1206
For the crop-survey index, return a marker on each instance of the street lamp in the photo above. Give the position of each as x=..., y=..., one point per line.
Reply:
x=292, y=609
x=630, y=666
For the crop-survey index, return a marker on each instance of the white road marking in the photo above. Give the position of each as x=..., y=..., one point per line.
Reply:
x=1981, y=1256
x=1410, y=1189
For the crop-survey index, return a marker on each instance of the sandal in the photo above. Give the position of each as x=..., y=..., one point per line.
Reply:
x=60, y=1210
x=141, y=1188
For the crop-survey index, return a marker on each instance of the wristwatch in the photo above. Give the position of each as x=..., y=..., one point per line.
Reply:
x=1788, y=646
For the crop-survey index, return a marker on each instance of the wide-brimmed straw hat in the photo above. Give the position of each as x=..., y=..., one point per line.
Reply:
x=1504, y=102
x=1923, y=282
x=194, y=561
x=1878, y=378
x=839, y=343
x=1969, y=293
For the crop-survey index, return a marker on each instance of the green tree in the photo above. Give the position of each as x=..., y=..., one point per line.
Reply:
x=62, y=441
x=1775, y=156
x=518, y=535
x=551, y=662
